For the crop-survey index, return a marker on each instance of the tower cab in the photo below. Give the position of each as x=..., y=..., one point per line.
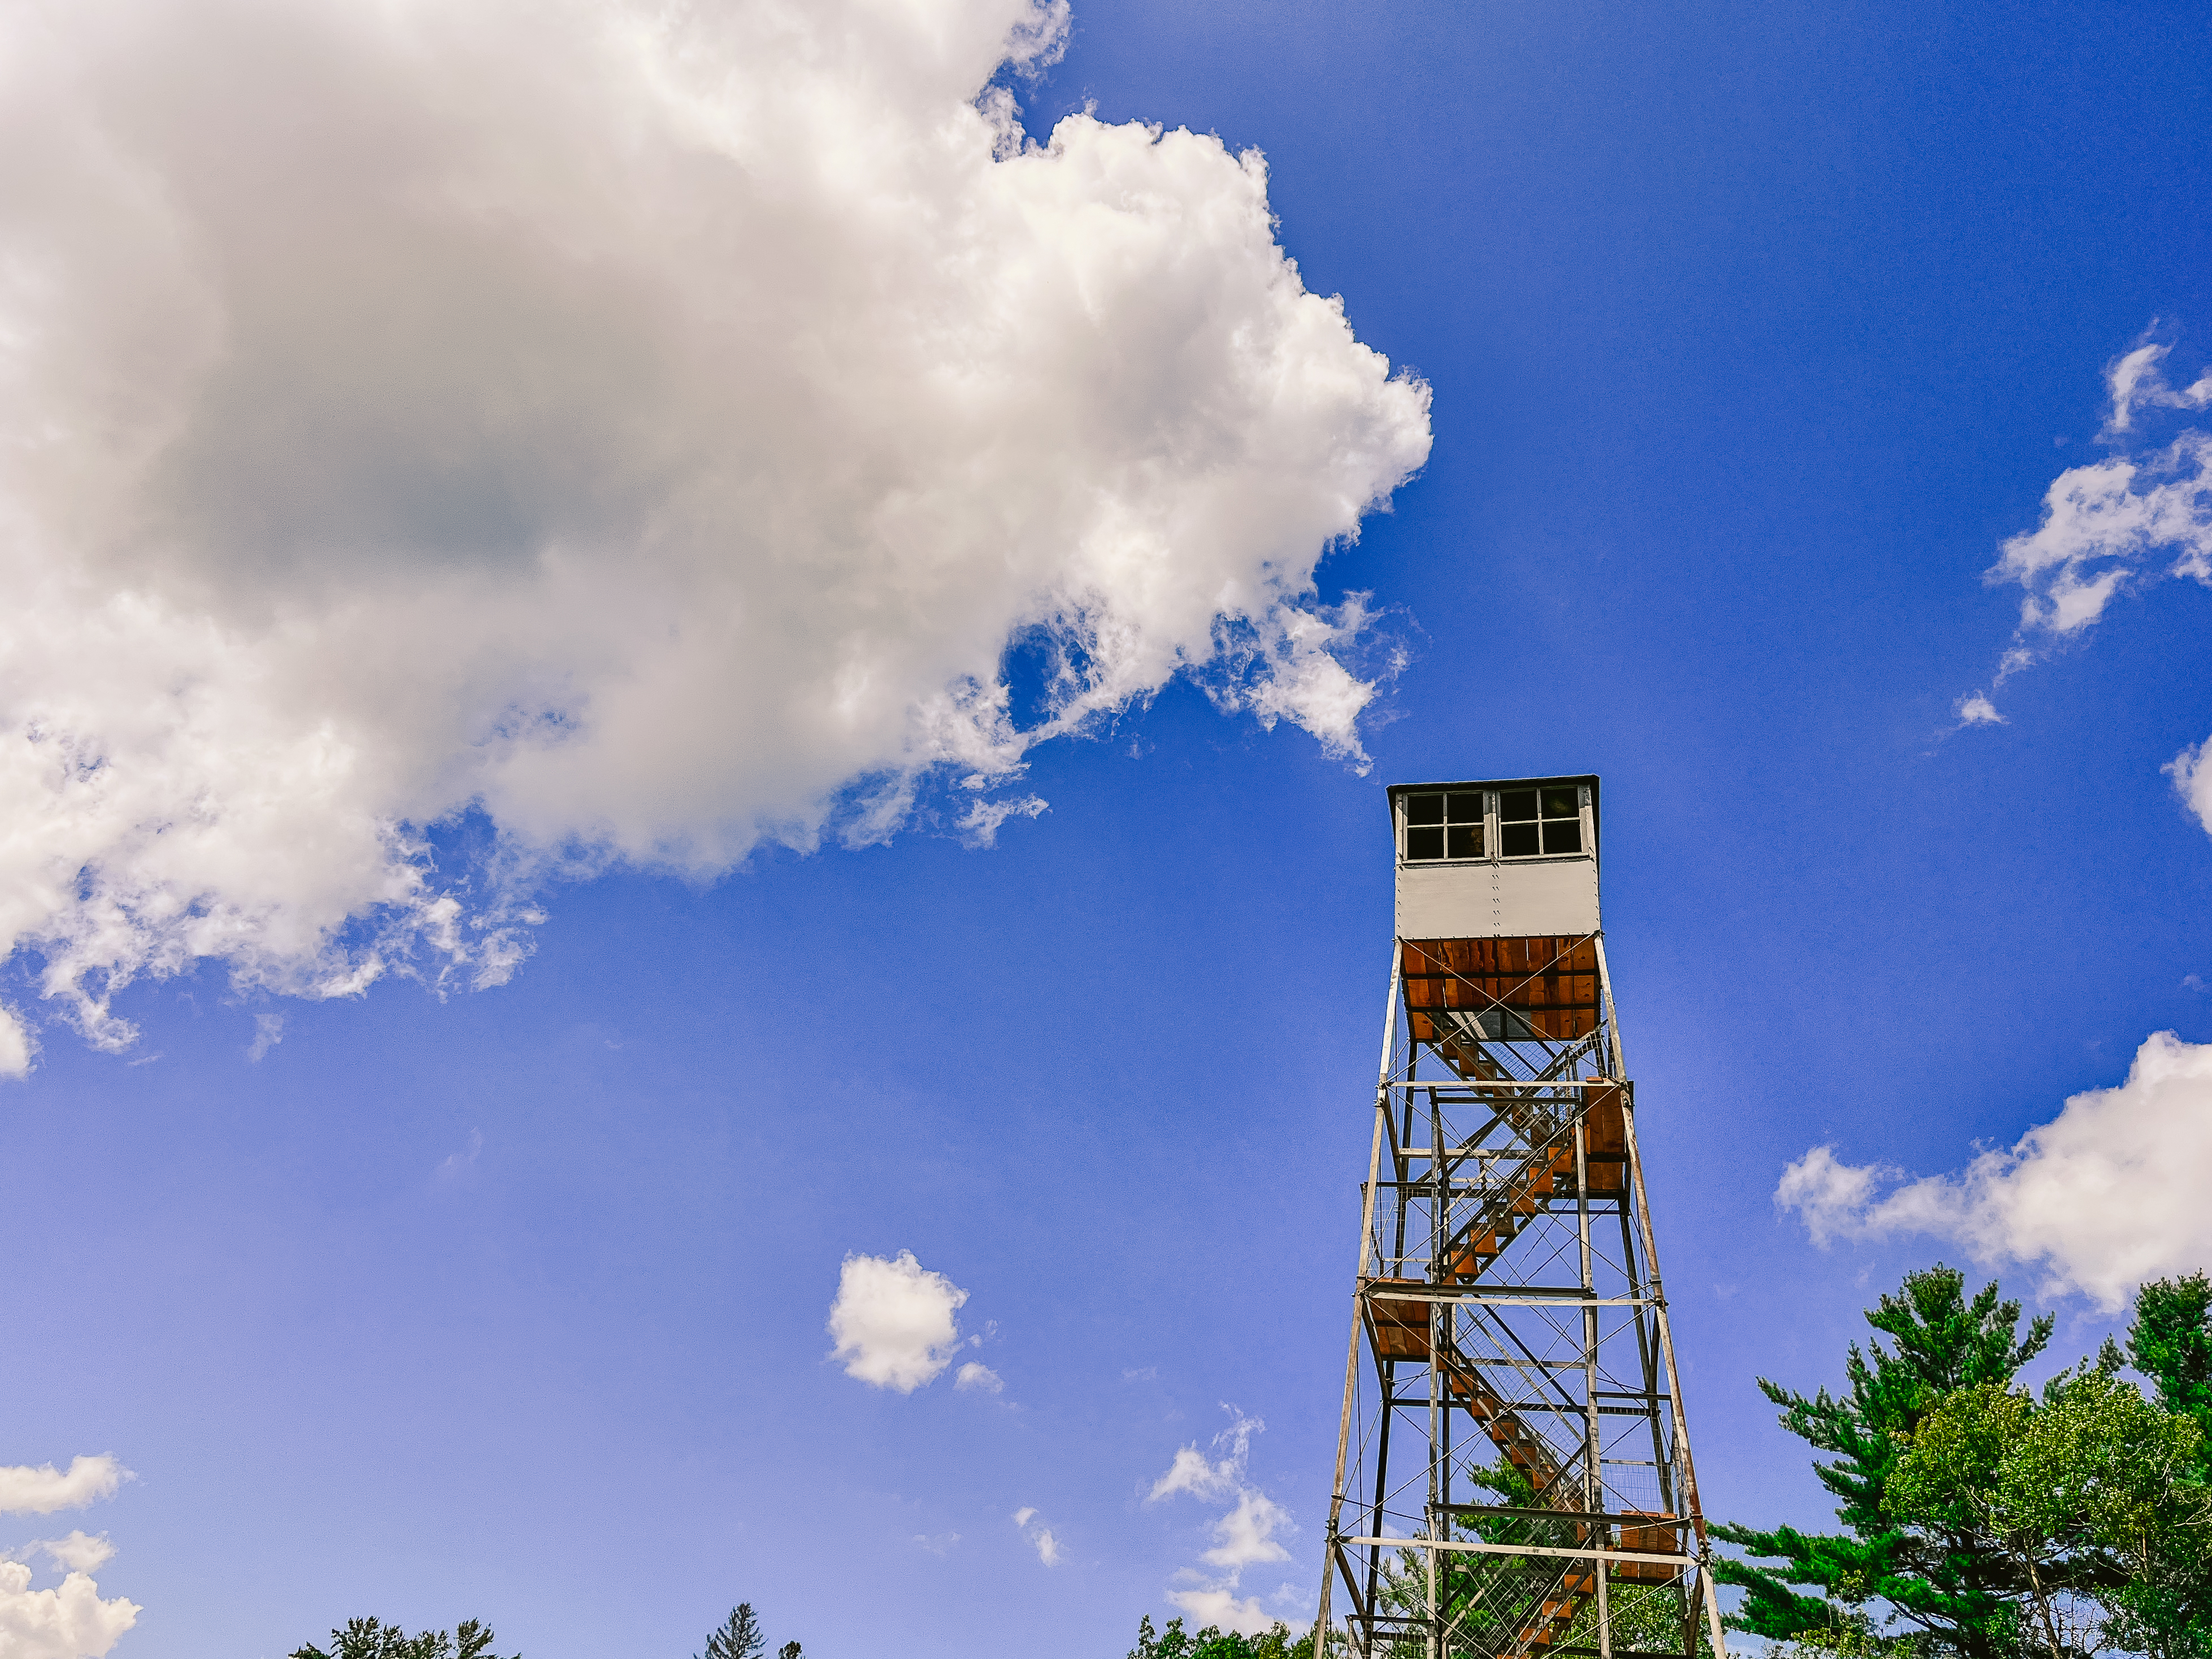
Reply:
x=1498, y=909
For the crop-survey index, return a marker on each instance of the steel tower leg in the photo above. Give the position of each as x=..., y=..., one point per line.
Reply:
x=1535, y=1494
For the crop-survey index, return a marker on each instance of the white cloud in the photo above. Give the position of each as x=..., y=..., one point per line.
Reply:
x=649, y=426
x=68, y=1621
x=1190, y=1471
x=893, y=1321
x=2110, y=527
x=1832, y=1197
x=973, y=1375
x=1977, y=709
x=1022, y=1515
x=2105, y=1195
x=2192, y=782
x=2137, y=381
x=78, y=1552
x=938, y=1543
x=2100, y=523
x=1243, y=1536
x=25, y=1490
x=1216, y=1605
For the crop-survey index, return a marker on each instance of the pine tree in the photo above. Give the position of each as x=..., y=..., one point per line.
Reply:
x=2171, y=1343
x=740, y=1639
x=1954, y=1601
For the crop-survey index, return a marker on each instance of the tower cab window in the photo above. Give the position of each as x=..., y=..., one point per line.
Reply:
x=1444, y=827
x=1535, y=823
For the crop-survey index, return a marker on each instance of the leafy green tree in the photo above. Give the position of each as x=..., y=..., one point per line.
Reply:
x=1952, y=1600
x=372, y=1638
x=2165, y=1608
x=1966, y=1478
x=2089, y=1494
x=1214, y=1643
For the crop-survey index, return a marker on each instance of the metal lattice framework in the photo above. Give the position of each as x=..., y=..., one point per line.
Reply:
x=1513, y=1471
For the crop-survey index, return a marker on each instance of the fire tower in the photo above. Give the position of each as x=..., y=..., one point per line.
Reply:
x=1513, y=1473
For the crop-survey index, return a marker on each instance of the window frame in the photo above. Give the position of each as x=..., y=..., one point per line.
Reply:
x=1493, y=825
x=1486, y=825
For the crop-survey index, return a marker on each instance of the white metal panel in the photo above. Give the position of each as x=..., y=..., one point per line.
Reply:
x=1498, y=900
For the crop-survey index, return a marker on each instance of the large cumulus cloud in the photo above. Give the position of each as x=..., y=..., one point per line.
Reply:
x=646, y=423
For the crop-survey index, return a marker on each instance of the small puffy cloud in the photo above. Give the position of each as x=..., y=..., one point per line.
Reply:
x=1246, y=1533
x=893, y=1321
x=43, y=1490
x=979, y=1377
x=69, y=1620
x=2108, y=1193
x=1830, y=1197
x=1977, y=709
x=649, y=428
x=1214, y=1604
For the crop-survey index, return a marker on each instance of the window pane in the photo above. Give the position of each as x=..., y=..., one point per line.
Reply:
x=1465, y=841
x=1564, y=836
x=1561, y=804
x=1517, y=840
x=1424, y=843
x=1464, y=809
x=1425, y=808
x=1517, y=804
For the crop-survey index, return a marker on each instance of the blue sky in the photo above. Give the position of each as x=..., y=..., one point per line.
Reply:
x=1752, y=334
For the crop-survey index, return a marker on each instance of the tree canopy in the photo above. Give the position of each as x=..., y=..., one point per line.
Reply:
x=1983, y=1521
x=372, y=1638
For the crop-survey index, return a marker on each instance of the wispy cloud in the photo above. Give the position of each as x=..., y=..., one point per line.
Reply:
x=1039, y=1536
x=2109, y=527
x=1243, y=1537
x=80, y=1551
x=645, y=426
x=980, y=1377
x=2108, y=1193
x=456, y=1163
x=267, y=1032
